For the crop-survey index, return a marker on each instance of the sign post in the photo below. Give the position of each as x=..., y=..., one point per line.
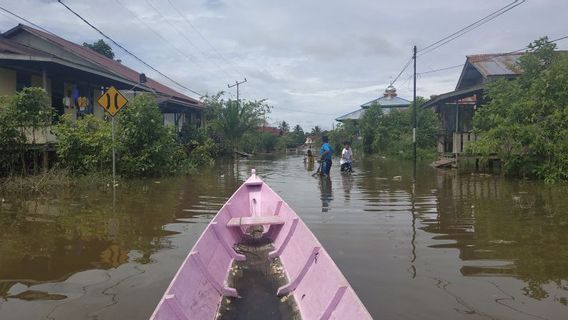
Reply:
x=112, y=101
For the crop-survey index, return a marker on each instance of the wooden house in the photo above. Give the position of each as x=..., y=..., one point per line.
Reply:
x=75, y=76
x=455, y=109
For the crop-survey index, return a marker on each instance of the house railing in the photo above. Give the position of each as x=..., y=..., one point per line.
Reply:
x=39, y=136
x=461, y=140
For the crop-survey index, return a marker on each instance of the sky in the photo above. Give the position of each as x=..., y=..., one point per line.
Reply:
x=312, y=60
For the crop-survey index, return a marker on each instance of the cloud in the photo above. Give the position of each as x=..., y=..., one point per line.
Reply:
x=314, y=60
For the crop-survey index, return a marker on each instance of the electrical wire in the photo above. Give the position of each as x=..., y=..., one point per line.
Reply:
x=187, y=39
x=178, y=11
x=188, y=56
x=401, y=71
x=26, y=20
x=128, y=51
x=472, y=26
x=476, y=24
x=492, y=55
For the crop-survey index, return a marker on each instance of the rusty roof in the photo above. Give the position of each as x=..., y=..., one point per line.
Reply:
x=498, y=64
x=106, y=64
x=12, y=47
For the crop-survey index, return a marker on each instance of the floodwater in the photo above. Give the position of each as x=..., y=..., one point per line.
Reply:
x=453, y=246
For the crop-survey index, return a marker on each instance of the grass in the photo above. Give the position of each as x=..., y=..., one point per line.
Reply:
x=51, y=181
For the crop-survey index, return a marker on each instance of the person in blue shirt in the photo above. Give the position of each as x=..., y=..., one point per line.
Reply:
x=326, y=152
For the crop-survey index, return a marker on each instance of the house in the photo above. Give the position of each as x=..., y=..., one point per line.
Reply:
x=389, y=101
x=455, y=109
x=75, y=77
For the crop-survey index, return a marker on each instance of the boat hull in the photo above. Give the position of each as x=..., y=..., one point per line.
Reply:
x=314, y=281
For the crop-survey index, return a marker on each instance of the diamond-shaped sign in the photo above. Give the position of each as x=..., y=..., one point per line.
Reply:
x=112, y=101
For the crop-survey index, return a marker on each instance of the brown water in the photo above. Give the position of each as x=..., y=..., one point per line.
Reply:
x=453, y=247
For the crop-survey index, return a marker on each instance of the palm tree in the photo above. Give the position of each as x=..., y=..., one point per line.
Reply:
x=316, y=131
x=284, y=127
x=235, y=120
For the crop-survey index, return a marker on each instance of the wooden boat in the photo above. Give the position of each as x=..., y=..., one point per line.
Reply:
x=311, y=280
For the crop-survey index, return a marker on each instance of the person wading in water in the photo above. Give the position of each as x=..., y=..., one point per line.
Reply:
x=326, y=152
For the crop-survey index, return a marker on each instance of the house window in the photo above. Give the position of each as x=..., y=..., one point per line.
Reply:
x=23, y=80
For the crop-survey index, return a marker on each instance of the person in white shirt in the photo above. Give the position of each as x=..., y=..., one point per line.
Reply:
x=346, y=158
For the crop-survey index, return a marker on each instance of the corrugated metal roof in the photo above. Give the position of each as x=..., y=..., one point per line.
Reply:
x=496, y=64
x=107, y=64
x=358, y=114
x=354, y=115
x=12, y=47
x=387, y=101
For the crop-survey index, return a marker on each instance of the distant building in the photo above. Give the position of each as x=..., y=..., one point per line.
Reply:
x=389, y=101
x=269, y=129
x=455, y=109
x=75, y=77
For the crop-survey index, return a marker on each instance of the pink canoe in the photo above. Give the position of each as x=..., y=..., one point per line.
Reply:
x=201, y=287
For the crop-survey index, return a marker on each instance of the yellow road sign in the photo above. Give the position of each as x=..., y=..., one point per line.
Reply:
x=112, y=101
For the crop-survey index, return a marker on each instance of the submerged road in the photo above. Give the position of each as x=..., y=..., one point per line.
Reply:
x=450, y=247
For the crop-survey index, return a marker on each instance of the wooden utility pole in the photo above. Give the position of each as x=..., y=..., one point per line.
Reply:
x=237, y=84
x=414, y=119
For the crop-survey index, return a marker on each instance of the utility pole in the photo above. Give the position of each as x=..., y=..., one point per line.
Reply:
x=414, y=120
x=237, y=84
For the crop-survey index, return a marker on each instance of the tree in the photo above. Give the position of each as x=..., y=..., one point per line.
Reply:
x=316, y=131
x=391, y=134
x=145, y=146
x=32, y=112
x=368, y=126
x=284, y=127
x=84, y=146
x=231, y=120
x=525, y=121
x=101, y=47
x=11, y=137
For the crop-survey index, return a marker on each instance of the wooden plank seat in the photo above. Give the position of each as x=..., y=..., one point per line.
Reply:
x=255, y=221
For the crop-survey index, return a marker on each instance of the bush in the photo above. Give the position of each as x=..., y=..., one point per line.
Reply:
x=145, y=146
x=11, y=138
x=525, y=121
x=85, y=145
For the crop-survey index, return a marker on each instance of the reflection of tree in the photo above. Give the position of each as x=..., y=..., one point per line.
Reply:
x=45, y=238
x=491, y=218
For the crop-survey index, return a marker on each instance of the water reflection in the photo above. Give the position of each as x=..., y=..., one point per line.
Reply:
x=347, y=184
x=326, y=193
x=505, y=229
x=449, y=246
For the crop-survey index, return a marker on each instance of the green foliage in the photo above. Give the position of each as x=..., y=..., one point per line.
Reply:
x=346, y=131
x=284, y=127
x=145, y=146
x=369, y=123
x=200, y=148
x=525, y=122
x=391, y=134
x=26, y=112
x=10, y=137
x=101, y=47
x=231, y=120
x=85, y=145
x=31, y=108
x=254, y=142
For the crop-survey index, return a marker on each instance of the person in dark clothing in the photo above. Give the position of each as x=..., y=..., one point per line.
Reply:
x=326, y=152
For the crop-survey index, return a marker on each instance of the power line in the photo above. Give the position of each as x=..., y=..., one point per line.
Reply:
x=493, y=55
x=189, y=57
x=186, y=38
x=401, y=71
x=435, y=45
x=178, y=11
x=126, y=50
x=26, y=20
x=478, y=23
x=441, y=69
